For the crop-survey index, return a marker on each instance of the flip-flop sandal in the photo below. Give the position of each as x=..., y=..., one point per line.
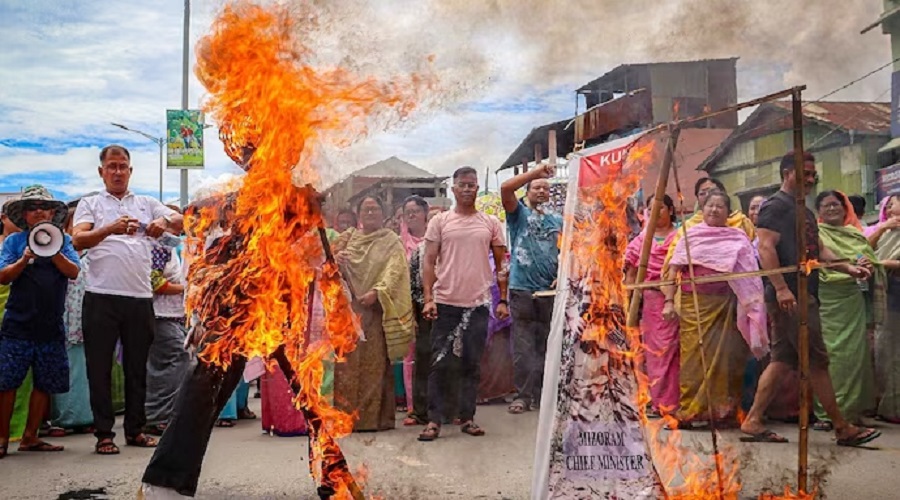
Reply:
x=430, y=433
x=108, y=445
x=823, y=426
x=141, y=441
x=155, y=430
x=224, y=423
x=472, y=429
x=412, y=422
x=246, y=414
x=57, y=432
x=766, y=436
x=41, y=446
x=517, y=407
x=860, y=438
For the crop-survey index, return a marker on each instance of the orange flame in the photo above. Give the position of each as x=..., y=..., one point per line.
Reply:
x=599, y=243
x=810, y=266
x=251, y=290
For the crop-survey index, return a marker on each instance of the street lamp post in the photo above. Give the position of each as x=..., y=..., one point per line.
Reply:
x=185, y=60
x=161, y=142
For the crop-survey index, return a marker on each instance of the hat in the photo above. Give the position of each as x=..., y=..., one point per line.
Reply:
x=16, y=210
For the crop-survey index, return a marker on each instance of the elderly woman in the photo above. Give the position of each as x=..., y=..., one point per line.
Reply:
x=660, y=336
x=728, y=316
x=842, y=309
x=373, y=262
x=885, y=238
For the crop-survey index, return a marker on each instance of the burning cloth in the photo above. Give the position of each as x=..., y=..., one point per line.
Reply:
x=591, y=441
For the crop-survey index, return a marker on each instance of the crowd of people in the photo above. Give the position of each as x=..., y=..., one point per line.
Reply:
x=724, y=351
x=100, y=327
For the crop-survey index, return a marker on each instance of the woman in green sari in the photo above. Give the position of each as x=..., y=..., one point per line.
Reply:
x=844, y=306
x=886, y=241
x=373, y=262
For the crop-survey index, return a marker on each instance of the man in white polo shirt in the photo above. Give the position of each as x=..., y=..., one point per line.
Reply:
x=117, y=225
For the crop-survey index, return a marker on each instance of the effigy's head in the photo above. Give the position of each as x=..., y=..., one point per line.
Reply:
x=240, y=142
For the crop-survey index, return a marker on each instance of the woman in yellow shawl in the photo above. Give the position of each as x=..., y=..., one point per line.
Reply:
x=373, y=262
x=736, y=218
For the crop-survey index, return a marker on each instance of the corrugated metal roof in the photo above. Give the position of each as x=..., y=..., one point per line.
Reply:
x=860, y=117
x=864, y=117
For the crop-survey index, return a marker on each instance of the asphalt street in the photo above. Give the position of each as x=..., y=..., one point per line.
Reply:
x=243, y=462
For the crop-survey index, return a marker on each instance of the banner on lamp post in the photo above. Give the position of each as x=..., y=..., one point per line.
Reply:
x=184, y=138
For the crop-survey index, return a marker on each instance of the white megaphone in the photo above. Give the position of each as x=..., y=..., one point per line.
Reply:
x=45, y=239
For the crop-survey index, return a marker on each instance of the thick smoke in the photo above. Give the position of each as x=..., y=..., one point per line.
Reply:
x=511, y=51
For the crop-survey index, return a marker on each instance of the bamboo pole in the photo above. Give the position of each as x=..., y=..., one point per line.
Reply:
x=716, y=278
x=661, y=182
x=802, y=291
x=704, y=363
x=551, y=148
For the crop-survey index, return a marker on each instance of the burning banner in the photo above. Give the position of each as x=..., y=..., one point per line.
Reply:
x=594, y=439
x=591, y=441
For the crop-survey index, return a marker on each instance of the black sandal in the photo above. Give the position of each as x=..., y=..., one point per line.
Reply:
x=141, y=441
x=431, y=432
x=225, y=422
x=106, y=446
x=472, y=429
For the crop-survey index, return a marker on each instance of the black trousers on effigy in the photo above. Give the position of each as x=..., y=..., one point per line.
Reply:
x=204, y=392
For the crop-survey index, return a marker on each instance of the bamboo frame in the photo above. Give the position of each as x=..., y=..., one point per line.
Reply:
x=661, y=182
x=802, y=292
x=703, y=362
x=717, y=278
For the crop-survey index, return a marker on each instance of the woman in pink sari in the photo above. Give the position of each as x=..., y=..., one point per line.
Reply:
x=414, y=221
x=660, y=336
x=725, y=320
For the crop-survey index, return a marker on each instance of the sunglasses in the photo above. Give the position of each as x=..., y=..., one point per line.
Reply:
x=31, y=207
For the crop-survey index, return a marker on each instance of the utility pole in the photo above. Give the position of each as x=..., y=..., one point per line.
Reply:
x=161, y=142
x=184, y=89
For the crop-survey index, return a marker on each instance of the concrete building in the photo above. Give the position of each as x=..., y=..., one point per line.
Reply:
x=845, y=137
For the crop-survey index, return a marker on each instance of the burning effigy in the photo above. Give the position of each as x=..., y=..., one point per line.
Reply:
x=259, y=254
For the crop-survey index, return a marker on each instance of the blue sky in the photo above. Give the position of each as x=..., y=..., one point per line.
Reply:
x=69, y=69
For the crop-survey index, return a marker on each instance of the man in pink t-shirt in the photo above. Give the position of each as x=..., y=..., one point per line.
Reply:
x=457, y=280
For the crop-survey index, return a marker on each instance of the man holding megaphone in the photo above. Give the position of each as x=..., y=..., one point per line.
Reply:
x=38, y=264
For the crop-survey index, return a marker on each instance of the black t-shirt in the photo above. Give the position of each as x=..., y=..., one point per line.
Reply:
x=778, y=214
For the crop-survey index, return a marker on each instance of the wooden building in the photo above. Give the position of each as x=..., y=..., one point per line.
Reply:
x=845, y=138
x=392, y=180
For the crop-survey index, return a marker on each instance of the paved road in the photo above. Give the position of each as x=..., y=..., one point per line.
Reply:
x=244, y=463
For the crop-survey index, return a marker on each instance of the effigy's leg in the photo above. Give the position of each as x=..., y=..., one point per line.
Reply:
x=338, y=463
x=204, y=391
